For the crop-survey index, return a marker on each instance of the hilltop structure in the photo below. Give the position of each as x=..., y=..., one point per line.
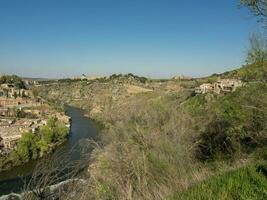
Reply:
x=182, y=78
x=88, y=78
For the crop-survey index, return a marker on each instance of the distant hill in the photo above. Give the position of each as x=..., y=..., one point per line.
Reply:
x=37, y=79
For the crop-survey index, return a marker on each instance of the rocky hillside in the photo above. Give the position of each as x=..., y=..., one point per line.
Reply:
x=96, y=96
x=160, y=140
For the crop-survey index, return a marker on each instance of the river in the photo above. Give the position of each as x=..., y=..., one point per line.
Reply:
x=81, y=128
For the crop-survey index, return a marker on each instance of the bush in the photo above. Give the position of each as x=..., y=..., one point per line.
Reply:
x=13, y=79
x=35, y=145
x=238, y=125
x=245, y=183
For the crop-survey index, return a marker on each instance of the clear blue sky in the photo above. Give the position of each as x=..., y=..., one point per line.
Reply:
x=155, y=38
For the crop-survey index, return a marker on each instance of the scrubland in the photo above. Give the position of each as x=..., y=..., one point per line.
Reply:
x=173, y=144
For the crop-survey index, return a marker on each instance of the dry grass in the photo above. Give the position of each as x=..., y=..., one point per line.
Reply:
x=133, y=89
x=147, y=152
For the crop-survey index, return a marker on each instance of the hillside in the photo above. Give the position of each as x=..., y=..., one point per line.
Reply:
x=95, y=96
x=163, y=141
x=252, y=72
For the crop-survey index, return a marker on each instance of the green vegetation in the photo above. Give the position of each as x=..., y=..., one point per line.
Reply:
x=146, y=150
x=258, y=8
x=35, y=145
x=238, y=124
x=13, y=79
x=244, y=183
x=166, y=142
x=127, y=76
x=251, y=72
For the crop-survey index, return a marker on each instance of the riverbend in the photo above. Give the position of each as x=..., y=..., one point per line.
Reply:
x=82, y=128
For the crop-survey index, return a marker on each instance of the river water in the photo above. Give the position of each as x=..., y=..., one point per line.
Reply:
x=81, y=128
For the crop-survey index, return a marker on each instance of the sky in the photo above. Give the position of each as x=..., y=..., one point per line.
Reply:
x=153, y=38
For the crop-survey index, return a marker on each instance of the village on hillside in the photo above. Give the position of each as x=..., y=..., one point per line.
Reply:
x=220, y=86
x=21, y=112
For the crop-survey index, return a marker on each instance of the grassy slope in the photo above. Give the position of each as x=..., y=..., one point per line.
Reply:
x=252, y=72
x=241, y=184
x=244, y=117
x=234, y=123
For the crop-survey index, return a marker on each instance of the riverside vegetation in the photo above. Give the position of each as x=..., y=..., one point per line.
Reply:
x=161, y=141
x=32, y=146
x=30, y=128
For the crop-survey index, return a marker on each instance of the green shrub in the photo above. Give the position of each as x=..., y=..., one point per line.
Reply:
x=245, y=183
x=238, y=125
x=35, y=145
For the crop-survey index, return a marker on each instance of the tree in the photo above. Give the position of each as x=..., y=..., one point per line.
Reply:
x=52, y=122
x=258, y=49
x=27, y=148
x=61, y=131
x=47, y=134
x=258, y=43
x=43, y=147
x=258, y=8
x=13, y=79
x=58, y=169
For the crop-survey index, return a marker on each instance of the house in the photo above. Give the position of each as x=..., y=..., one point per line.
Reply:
x=204, y=88
x=4, y=112
x=9, y=136
x=11, y=131
x=226, y=85
x=10, y=142
x=222, y=85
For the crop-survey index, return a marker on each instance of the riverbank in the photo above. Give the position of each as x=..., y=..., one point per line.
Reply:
x=33, y=146
x=81, y=129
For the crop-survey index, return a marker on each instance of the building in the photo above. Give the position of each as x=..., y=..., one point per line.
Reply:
x=4, y=112
x=10, y=91
x=222, y=85
x=88, y=78
x=182, y=78
x=226, y=85
x=10, y=142
x=204, y=88
x=9, y=136
x=11, y=131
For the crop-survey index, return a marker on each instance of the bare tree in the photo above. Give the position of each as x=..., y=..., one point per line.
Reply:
x=258, y=8
x=56, y=176
x=258, y=49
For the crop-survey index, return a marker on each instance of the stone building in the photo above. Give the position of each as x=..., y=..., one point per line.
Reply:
x=226, y=85
x=222, y=85
x=204, y=88
x=11, y=131
x=10, y=142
